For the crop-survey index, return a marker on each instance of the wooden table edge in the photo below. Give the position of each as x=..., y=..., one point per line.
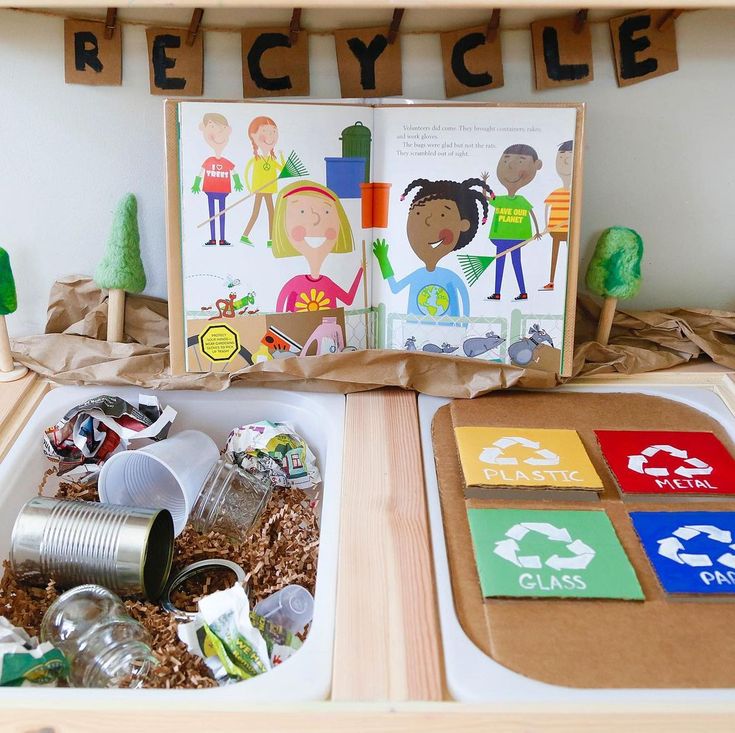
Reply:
x=375, y=713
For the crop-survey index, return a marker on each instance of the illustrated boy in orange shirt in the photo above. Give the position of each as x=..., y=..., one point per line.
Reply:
x=557, y=206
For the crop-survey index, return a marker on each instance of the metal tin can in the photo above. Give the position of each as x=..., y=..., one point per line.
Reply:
x=125, y=549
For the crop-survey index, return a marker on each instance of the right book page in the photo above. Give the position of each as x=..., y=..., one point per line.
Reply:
x=479, y=254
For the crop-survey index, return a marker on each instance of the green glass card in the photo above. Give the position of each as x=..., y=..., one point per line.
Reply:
x=528, y=553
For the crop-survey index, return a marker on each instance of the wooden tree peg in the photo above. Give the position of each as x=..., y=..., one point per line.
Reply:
x=121, y=268
x=9, y=371
x=614, y=272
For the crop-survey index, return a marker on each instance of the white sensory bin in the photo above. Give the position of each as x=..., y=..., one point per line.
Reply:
x=319, y=419
x=473, y=676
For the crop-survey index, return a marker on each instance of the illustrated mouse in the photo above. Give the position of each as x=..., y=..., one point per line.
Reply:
x=521, y=352
x=445, y=348
x=478, y=345
x=410, y=344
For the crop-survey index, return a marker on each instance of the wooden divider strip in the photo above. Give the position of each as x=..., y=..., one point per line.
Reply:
x=387, y=641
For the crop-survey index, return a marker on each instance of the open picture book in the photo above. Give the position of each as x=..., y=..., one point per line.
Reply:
x=297, y=229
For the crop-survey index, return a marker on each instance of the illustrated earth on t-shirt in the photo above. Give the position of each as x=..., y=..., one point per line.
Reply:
x=433, y=300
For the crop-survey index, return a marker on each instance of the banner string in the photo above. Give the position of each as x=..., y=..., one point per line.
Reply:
x=239, y=28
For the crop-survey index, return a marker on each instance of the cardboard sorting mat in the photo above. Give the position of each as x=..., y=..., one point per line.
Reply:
x=661, y=642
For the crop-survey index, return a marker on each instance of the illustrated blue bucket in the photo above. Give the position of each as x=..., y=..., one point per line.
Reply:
x=344, y=176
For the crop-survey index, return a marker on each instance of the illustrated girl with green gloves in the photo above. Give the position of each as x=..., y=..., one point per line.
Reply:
x=261, y=172
x=442, y=218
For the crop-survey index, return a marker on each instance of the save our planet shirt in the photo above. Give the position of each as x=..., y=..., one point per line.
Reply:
x=436, y=293
x=512, y=218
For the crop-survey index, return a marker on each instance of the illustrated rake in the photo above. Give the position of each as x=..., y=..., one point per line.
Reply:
x=474, y=265
x=293, y=168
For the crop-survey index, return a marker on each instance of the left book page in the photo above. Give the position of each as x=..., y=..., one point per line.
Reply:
x=266, y=246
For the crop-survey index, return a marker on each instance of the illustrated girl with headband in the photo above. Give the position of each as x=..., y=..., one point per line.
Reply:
x=442, y=218
x=262, y=171
x=310, y=221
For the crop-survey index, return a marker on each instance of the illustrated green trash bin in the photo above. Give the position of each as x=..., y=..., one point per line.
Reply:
x=356, y=144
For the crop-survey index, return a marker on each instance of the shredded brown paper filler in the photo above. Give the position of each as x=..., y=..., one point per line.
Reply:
x=73, y=351
x=282, y=549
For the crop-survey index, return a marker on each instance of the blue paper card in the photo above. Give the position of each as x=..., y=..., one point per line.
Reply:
x=691, y=552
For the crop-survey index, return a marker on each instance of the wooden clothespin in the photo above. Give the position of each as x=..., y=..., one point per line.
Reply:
x=668, y=17
x=580, y=19
x=293, y=35
x=110, y=23
x=491, y=32
x=395, y=25
x=196, y=21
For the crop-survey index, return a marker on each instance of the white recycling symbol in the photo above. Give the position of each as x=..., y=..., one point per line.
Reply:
x=495, y=454
x=508, y=548
x=672, y=547
x=689, y=468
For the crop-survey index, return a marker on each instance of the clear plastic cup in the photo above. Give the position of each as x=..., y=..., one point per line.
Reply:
x=291, y=607
x=165, y=475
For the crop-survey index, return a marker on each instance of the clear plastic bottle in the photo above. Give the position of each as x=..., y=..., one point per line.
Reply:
x=230, y=502
x=104, y=646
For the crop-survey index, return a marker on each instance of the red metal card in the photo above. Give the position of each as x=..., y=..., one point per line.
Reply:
x=668, y=462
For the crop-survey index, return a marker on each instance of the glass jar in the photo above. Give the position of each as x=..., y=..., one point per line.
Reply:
x=230, y=502
x=104, y=646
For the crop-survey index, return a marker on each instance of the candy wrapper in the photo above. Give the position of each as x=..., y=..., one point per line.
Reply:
x=24, y=662
x=281, y=643
x=223, y=635
x=274, y=451
x=91, y=432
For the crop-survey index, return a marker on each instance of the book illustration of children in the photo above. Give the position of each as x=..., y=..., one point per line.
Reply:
x=558, y=203
x=217, y=173
x=262, y=171
x=511, y=224
x=442, y=218
x=310, y=221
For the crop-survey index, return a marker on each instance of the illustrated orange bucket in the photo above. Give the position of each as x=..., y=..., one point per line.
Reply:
x=375, y=198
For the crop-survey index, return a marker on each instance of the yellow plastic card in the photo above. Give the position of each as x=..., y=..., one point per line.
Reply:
x=525, y=457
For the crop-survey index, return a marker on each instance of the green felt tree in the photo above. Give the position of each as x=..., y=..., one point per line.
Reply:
x=121, y=269
x=8, y=297
x=614, y=272
x=8, y=304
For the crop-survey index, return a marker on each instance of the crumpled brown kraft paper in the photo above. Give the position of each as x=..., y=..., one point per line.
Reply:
x=72, y=351
x=644, y=341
